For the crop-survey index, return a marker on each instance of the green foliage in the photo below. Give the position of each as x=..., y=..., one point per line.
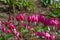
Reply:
x=10, y=2
x=24, y=31
x=56, y=4
x=28, y=4
x=5, y=37
x=2, y=38
x=44, y=28
x=55, y=13
x=52, y=3
x=21, y=3
x=45, y=2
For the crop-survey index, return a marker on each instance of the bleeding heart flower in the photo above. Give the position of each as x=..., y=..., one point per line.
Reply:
x=0, y=23
x=53, y=37
x=48, y=36
x=28, y=27
x=36, y=18
x=17, y=17
x=8, y=31
x=22, y=16
x=33, y=18
x=38, y=33
x=47, y=22
x=12, y=26
x=29, y=18
x=24, y=24
x=16, y=33
x=41, y=18
x=7, y=23
x=54, y=21
x=12, y=18
x=3, y=29
x=58, y=25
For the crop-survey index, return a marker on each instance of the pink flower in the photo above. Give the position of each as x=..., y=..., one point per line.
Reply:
x=0, y=23
x=17, y=17
x=24, y=24
x=16, y=33
x=28, y=27
x=12, y=18
x=33, y=18
x=29, y=18
x=8, y=31
x=54, y=21
x=22, y=16
x=12, y=26
x=47, y=22
x=43, y=34
x=3, y=29
x=58, y=25
x=53, y=37
x=38, y=33
x=41, y=18
x=36, y=18
x=48, y=36
x=7, y=23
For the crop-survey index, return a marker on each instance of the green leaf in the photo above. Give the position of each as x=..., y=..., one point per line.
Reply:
x=5, y=37
x=2, y=38
x=24, y=31
x=55, y=13
x=44, y=28
x=8, y=36
x=37, y=29
x=45, y=2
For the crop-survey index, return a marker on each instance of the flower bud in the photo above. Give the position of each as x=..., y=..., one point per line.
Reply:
x=3, y=29
x=22, y=17
x=9, y=31
x=29, y=18
x=38, y=33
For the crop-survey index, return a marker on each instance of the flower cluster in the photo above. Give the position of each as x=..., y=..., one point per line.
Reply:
x=11, y=28
x=46, y=35
x=34, y=19
x=39, y=18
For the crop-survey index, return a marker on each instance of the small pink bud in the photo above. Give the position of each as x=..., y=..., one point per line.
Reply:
x=16, y=33
x=3, y=29
x=38, y=33
x=12, y=18
x=8, y=31
x=32, y=29
x=12, y=26
x=7, y=23
x=33, y=18
x=28, y=27
x=24, y=24
x=0, y=23
x=47, y=35
x=36, y=18
x=29, y=18
x=41, y=18
x=22, y=17
x=17, y=17
x=53, y=37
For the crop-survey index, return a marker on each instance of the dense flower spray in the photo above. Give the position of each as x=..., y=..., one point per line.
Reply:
x=34, y=18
